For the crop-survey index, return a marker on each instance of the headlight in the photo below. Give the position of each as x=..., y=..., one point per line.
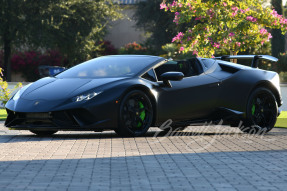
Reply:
x=86, y=97
x=19, y=92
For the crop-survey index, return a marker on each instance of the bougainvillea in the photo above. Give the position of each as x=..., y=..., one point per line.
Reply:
x=223, y=24
x=27, y=63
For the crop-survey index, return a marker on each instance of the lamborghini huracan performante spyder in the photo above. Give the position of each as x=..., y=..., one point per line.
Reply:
x=130, y=93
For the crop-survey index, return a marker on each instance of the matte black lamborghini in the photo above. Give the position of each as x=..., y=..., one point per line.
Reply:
x=131, y=93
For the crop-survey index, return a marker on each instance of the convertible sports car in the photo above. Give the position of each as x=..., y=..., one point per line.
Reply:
x=130, y=93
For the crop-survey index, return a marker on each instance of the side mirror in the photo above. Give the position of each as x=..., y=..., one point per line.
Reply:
x=171, y=76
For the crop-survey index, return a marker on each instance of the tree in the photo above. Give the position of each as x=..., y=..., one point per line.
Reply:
x=158, y=23
x=71, y=26
x=223, y=24
x=278, y=40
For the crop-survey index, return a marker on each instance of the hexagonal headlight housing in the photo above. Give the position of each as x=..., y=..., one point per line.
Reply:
x=86, y=97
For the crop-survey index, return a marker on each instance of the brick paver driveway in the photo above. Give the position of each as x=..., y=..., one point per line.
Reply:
x=199, y=158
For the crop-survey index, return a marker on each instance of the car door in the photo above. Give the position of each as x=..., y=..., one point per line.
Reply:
x=191, y=98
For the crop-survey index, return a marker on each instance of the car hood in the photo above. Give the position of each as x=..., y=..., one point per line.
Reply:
x=57, y=89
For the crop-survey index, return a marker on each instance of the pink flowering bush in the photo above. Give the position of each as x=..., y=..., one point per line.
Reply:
x=230, y=25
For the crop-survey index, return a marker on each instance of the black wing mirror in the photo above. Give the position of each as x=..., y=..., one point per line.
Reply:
x=171, y=76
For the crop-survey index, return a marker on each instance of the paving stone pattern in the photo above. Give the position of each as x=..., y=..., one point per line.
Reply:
x=199, y=158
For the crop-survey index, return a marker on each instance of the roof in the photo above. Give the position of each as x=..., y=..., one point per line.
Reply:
x=129, y=2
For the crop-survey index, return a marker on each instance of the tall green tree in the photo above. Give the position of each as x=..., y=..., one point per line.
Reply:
x=71, y=26
x=278, y=40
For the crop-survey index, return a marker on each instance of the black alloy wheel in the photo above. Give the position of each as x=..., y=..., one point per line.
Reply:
x=135, y=114
x=262, y=112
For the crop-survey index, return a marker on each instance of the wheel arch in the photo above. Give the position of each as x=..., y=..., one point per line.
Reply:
x=271, y=87
x=148, y=92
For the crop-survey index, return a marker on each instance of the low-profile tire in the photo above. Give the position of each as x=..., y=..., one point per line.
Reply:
x=261, y=113
x=135, y=114
x=43, y=133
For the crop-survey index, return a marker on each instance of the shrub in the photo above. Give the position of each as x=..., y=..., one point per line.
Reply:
x=106, y=48
x=1, y=58
x=171, y=52
x=282, y=62
x=27, y=63
x=6, y=93
x=283, y=77
x=133, y=48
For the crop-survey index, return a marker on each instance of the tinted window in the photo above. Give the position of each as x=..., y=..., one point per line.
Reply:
x=187, y=67
x=108, y=67
x=150, y=75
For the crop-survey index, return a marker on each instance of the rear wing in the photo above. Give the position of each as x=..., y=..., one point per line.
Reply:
x=254, y=58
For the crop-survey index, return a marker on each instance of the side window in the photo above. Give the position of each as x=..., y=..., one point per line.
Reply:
x=189, y=68
x=170, y=66
x=150, y=75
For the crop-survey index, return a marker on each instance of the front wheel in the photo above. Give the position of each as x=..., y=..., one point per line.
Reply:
x=262, y=111
x=135, y=114
x=43, y=133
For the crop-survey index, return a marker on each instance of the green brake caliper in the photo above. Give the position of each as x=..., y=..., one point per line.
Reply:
x=253, y=109
x=142, y=114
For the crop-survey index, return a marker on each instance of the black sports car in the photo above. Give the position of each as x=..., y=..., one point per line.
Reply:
x=130, y=93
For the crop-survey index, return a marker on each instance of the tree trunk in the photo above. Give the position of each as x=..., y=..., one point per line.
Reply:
x=278, y=40
x=233, y=53
x=7, y=60
x=7, y=41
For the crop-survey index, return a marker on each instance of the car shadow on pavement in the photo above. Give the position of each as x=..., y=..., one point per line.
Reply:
x=172, y=171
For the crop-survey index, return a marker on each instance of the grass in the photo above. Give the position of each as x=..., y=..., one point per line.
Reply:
x=281, y=120
x=3, y=114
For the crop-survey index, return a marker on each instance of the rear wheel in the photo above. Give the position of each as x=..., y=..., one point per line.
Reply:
x=262, y=111
x=135, y=115
x=43, y=133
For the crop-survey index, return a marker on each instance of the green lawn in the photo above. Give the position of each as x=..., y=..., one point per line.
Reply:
x=281, y=120
x=3, y=114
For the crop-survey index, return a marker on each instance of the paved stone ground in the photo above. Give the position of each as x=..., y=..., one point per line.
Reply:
x=199, y=158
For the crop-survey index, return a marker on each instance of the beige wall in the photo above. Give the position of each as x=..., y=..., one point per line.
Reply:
x=123, y=31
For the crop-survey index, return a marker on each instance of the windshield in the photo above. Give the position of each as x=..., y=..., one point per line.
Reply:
x=109, y=67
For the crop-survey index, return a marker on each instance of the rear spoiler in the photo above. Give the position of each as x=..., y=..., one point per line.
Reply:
x=254, y=58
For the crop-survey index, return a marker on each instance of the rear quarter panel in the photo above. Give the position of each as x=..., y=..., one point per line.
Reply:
x=235, y=90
